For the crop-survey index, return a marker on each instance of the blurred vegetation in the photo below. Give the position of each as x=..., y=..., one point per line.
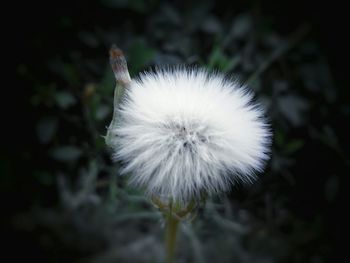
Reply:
x=68, y=202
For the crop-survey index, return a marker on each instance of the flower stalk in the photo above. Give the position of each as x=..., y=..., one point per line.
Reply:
x=174, y=215
x=172, y=222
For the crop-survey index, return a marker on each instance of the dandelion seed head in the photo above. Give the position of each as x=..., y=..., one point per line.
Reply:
x=184, y=132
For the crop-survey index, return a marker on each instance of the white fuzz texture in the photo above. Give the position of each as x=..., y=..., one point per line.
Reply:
x=183, y=132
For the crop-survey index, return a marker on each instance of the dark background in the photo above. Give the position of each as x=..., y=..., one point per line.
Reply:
x=61, y=195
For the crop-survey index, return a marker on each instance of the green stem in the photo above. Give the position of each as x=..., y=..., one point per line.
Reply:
x=172, y=223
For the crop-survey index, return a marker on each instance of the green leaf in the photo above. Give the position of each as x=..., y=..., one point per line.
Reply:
x=294, y=146
x=293, y=108
x=69, y=73
x=218, y=59
x=279, y=138
x=64, y=99
x=102, y=112
x=66, y=153
x=108, y=81
x=139, y=56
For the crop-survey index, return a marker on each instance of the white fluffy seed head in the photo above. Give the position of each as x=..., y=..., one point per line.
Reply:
x=183, y=132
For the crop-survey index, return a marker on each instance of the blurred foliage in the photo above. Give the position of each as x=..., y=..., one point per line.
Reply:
x=76, y=206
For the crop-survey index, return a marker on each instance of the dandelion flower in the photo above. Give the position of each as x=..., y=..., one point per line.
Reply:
x=184, y=132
